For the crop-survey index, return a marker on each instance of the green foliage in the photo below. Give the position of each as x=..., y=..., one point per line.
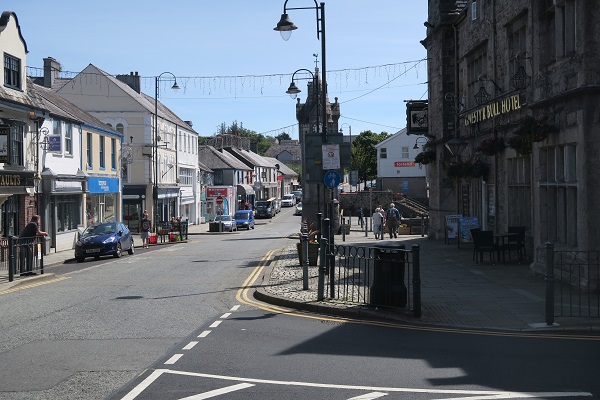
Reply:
x=364, y=154
x=262, y=143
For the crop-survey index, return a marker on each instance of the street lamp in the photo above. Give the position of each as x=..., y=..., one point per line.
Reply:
x=175, y=87
x=285, y=27
x=416, y=146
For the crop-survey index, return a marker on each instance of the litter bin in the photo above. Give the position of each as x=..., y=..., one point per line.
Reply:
x=46, y=245
x=388, y=287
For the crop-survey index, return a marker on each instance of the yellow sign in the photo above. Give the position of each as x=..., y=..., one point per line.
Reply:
x=503, y=106
x=10, y=180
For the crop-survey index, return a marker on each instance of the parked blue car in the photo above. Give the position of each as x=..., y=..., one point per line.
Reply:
x=244, y=219
x=108, y=238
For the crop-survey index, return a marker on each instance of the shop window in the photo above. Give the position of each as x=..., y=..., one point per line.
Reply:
x=67, y=212
x=519, y=191
x=12, y=71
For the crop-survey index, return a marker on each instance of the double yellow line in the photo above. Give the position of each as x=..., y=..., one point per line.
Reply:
x=32, y=285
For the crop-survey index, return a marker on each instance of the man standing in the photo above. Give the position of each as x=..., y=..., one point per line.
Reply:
x=28, y=235
x=146, y=227
x=392, y=217
x=360, y=216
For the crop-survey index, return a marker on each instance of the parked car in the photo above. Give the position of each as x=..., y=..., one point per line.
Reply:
x=265, y=208
x=227, y=221
x=108, y=238
x=289, y=200
x=244, y=219
x=298, y=210
x=298, y=194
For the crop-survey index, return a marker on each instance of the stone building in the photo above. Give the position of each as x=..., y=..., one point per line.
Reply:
x=514, y=110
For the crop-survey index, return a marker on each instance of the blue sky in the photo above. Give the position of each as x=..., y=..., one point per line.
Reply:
x=231, y=64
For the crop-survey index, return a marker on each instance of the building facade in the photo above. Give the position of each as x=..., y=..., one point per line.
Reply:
x=514, y=118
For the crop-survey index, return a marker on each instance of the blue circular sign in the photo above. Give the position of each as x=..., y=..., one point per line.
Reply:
x=332, y=179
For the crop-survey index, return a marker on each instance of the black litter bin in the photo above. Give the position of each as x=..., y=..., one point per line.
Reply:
x=388, y=287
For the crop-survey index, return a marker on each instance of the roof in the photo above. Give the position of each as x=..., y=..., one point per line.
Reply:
x=6, y=15
x=284, y=169
x=250, y=158
x=62, y=108
x=215, y=159
x=393, y=137
x=294, y=149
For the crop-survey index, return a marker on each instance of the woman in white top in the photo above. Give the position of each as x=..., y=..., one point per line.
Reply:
x=378, y=223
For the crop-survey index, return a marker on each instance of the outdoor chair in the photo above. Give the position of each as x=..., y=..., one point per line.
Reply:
x=516, y=243
x=483, y=242
x=473, y=232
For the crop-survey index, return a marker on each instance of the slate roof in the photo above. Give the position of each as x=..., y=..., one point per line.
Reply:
x=284, y=169
x=214, y=159
x=294, y=150
x=250, y=158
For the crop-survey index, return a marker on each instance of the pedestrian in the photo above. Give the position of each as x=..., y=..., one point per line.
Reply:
x=360, y=217
x=146, y=227
x=378, y=223
x=29, y=234
x=392, y=218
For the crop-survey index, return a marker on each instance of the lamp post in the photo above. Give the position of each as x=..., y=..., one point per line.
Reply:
x=285, y=28
x=175, y=87
x=416, y=146
x=350, y=131
x=456, y=146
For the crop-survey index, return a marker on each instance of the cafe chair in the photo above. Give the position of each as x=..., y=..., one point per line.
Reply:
x=483, y=242
x=516, y=243
x=472, y=233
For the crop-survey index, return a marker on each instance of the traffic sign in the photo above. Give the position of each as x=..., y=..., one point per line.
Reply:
x=332, y=179
x=220, y=200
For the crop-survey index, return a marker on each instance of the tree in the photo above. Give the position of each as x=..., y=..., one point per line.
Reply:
x=262, y=144
x=283, y=136
x=364, y=154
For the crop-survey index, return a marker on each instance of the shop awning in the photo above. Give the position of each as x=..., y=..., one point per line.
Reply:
x=245, y=190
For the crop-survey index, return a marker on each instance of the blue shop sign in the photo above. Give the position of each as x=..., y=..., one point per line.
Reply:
x=54, y=143
x=103, y=185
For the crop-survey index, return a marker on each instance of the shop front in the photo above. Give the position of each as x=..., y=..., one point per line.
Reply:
x=187, y=205
x=102, y=201
x=17, y=201
x=218, y=201
x=134, y=204
x=245, y=197
x=167, y=204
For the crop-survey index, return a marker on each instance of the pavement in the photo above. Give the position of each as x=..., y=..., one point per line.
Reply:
x=455, y=292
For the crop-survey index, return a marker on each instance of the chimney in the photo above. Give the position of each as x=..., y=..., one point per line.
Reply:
x=189, y=123
x=51, y=71
x=132, y=80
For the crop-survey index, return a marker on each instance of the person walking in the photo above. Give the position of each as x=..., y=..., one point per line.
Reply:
x=146, y=227
x=392, y=218
x=28, y=234
x=378, y=223
x=360, y=217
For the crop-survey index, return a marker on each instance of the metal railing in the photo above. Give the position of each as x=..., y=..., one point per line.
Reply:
x=22, y=256
x=572, y=283
x=376, y=276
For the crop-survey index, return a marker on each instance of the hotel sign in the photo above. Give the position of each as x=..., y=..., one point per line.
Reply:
x=494, y=109
x=404, y=163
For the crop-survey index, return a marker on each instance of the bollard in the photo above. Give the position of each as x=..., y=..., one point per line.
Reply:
x=416, y=259
x=549, y=278
x=343, y=229
x=11, y=258
x=422, y=225
x=322, y=269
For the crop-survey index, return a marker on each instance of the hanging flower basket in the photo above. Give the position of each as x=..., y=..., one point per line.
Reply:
x=530, y=131
x=468, y=169
x=425, y=157
x=491, y=146
x=479, y=169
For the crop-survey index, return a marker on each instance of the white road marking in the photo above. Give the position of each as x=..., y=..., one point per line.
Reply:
x=215, y=324
x=218, y=392
x=144, y=384
x=190, y=345
x=235, y=308
x=174, y=359
x=369, y=396
x=204, y=334
x=226, y=315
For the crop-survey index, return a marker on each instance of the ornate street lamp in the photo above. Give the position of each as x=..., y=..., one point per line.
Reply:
x=175, y=87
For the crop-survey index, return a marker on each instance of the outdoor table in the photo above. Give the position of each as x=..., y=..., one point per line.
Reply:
x=500, y=239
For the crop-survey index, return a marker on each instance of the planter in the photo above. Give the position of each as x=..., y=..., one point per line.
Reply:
x=404, y=230
x=313, y=253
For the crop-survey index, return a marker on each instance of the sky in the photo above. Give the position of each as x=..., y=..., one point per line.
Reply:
x=229, y=62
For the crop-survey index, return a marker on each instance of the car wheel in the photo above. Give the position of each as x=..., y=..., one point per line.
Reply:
x=119, y=252
x=80, y=259
x=131, y=249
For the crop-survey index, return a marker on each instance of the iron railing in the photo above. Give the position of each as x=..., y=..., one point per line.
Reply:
x=376, y=276
x=572, y=283
x=22, y=256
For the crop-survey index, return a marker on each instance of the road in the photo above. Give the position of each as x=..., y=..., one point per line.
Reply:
x=175, y=322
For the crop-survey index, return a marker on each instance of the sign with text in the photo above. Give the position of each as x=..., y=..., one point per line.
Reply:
x=452, y=226
x=331, y=156
x=54, y=142
x=404, y=163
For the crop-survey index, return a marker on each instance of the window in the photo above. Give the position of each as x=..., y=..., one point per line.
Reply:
x=558, y=195
x=16, y=145
x=12, y=71
x=476, y=68
x=558, y=29
x=120, y=128
x=67, y=212
x=89, y=149
x=474, y=10
x=68, y=139
x=102, y=152
x=113, y=154
x=383, y=152
x=405, y=152
x=57, y=128
x=517, y=46
x=186, y=176
x=519, y=191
